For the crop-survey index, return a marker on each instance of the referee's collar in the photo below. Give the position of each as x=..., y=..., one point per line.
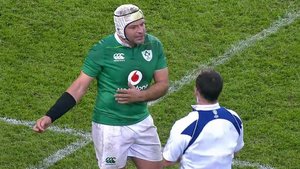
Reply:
x=206, y=107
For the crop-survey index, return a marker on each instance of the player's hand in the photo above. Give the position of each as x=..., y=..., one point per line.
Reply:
x=129, y=95
x=42, y=124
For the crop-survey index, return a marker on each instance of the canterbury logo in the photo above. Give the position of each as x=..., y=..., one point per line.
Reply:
x=110, y=160
x=119, y=57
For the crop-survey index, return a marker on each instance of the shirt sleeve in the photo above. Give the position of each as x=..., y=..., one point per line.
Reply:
x=176, y=144
x=91, y=65
x=162, y=60
x=240, y=143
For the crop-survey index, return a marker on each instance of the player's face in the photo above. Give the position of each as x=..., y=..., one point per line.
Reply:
x=135, y=32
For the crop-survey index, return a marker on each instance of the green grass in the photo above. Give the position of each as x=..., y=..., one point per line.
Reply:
x=21, y=148
x=43, y=45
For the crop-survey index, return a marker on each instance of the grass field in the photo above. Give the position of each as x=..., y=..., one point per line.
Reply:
x=254, y=44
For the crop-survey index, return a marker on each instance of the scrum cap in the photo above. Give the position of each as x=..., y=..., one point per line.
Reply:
x=124, y=15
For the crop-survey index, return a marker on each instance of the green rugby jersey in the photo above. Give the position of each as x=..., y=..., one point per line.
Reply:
x=113, y=65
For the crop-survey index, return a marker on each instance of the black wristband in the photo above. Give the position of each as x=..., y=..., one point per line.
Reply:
x=62, y=105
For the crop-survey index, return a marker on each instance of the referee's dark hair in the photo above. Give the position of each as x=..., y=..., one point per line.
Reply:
x=209, y=84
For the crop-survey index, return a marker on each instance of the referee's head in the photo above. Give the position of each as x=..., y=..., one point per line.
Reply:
x=209, y=84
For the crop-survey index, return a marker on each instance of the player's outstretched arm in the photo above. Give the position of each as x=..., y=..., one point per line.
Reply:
x=67, y=101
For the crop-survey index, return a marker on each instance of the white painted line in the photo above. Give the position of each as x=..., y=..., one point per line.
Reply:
x=17, y=122
x=51, y=128
x=70, y=131
x=248, y=164
x=238, y=47
x=62, y=153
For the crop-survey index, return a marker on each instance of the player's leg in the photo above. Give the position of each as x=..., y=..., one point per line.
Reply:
x=111, y=145
x=146, y=150
x=145, y=164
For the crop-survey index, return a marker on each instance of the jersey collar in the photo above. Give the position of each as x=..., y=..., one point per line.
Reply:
x=120, y=41
x=206, y=107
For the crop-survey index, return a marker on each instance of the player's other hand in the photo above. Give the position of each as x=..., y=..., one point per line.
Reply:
x=42, y=124
x=130, y=95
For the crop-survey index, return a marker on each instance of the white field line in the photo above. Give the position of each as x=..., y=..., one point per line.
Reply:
x=62, y=153
x=238, y=47
x=51, y=128
x=177, y=85
x=248, y=164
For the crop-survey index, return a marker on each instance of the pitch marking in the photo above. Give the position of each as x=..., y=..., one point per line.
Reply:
x=238, y=47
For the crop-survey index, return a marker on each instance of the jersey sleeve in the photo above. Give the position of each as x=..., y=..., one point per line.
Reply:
x=162, y=60
x=240, y=142
x=176, y=143
x=92, y=63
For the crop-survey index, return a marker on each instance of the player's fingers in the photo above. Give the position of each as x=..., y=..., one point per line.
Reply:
x=45, y=123
x=121, y=96
x=130, y=85
x=122, y=91
x=36, y=128
x=121, y=99
x=123, y=102
x=40, y=124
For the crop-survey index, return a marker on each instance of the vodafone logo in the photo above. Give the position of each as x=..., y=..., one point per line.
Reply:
x=135, y=77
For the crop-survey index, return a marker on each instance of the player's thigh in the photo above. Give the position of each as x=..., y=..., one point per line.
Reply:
x=111, y=144
x=145, y=164
x=147, y=144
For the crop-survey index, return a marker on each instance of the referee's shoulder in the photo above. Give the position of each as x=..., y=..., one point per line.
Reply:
x=234, y=113
x=188, y=118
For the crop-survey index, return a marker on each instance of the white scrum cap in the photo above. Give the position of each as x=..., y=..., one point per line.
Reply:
x=124, y=15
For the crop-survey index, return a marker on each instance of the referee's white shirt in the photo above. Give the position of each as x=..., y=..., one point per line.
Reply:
x=213, y=148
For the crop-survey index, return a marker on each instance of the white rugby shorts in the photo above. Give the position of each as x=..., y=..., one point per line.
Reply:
x=113, y=144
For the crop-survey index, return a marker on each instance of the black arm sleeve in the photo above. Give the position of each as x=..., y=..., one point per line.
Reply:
x=62, y=105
